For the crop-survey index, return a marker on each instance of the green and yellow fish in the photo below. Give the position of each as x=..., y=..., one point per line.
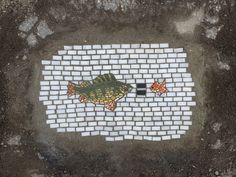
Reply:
x=104, y=89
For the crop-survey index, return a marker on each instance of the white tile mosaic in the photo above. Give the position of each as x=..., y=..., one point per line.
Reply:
x=148, y=117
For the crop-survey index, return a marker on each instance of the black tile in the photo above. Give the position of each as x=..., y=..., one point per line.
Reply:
x=141, y=92
x=141, y=85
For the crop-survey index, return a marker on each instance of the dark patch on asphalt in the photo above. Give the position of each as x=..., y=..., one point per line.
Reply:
x=226, y=38
x=3, y=97
x=221, y=109
x=10, y=44
x=162, y=164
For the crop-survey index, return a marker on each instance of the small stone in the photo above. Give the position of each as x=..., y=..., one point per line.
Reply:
x=14, y=141
x=217, y=145
x=211, y=19
x=43, y=30
x=22, y=35
x=216, y=127
x=24, y=57
x=217, y=173
x=28, y=23
x=211, y=33
x=37, y=175
x=32, y=40
x=58, y=13
x=40, y=156
x=17, y=151
x=223, y=66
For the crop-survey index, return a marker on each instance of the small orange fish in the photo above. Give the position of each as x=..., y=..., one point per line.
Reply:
x=159, y=88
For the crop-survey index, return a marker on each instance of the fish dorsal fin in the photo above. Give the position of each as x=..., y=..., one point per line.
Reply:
x=104, y=78
x=85, y=84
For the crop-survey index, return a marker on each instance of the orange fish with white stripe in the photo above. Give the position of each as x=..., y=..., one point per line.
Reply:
x=159, y=88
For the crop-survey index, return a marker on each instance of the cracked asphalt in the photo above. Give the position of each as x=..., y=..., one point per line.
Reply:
x=34, y=30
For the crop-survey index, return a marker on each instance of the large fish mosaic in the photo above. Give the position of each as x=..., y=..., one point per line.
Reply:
x=104, y=89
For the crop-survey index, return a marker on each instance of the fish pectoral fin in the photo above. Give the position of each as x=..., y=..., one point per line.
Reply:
x=111, y=105
x=83, y=99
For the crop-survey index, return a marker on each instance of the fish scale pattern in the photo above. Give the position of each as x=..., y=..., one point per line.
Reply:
x=137, y=117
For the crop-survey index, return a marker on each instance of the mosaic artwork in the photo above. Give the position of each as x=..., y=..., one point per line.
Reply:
x=105, y=89
x=120, y=91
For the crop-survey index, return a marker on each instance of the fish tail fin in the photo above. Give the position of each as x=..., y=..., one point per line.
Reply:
x=71, y=88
